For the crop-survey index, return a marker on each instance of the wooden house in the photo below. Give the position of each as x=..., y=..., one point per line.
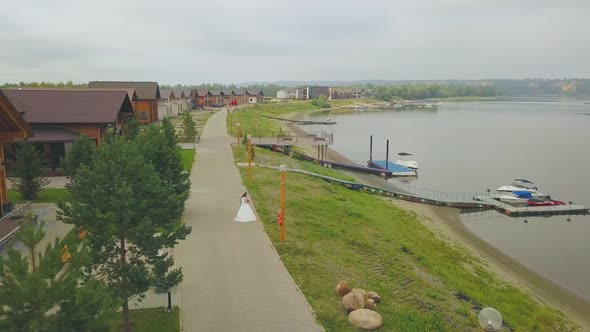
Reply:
x=167, y=105
x=12, y=128
x=253, y=96
x=57, y=116
x=148, y=95
x=202, y=98
x=215, y=98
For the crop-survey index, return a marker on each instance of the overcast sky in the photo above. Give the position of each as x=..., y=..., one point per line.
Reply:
x=234, y=41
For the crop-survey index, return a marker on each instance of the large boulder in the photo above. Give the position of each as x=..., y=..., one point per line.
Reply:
x=374, y=296
x=353, y=301
x=361, y=292
x=343, y=288
x=365, y=319
x=370, y=304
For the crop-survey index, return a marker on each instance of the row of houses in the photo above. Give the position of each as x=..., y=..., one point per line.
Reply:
x=313, y=92
x=218, y=98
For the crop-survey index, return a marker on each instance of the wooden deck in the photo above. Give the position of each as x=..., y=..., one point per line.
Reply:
x=512, y=210
x=314, y=140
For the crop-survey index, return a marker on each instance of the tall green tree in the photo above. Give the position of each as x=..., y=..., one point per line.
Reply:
x=158, y=145
x=30, y=236
x=56, y=296
x=83, y=151
x=130, y=215
x=132, y=128
x=28, y=170
x=189, y=133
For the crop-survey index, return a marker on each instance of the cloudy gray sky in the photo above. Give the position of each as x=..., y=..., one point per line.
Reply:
x=234, y=41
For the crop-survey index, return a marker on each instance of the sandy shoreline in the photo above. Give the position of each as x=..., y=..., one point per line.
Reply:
x=446, y=223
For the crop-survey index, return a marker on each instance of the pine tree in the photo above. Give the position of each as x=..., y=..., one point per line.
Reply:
x=55, y=297
x=130, y=215
x=161, y=151
x=132, y=129
x=28, y=170
x=190, y=128
x=30, y=235
x=83, y=151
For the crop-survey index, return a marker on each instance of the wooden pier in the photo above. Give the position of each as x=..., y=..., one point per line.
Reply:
x=284, y=140
x=479, y=202
x=522, y=211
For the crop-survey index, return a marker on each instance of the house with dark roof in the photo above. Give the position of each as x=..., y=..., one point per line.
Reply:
x=253, y=96
x=167, y=105
x=239, y=96
x=148, y=95
x=182, y=100
x=12, y=128
x=202, y=98
x=215, y=98
x=58, y=116
x=188, y=106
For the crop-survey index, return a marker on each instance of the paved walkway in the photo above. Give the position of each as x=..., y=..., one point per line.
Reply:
x=233, y=278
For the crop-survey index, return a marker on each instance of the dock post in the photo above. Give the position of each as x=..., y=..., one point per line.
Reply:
x=318, y=152
x=387, y=155
x=371, y=150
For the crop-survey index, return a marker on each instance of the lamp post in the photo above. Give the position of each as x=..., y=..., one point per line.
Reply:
x=283, y=169
x=250, y=158
x=239, y=134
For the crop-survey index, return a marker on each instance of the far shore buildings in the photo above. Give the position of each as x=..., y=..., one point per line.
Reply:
x=313, y=92
x=148, y=96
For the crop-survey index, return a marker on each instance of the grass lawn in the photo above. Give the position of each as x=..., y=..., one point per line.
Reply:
x=48, y=195
x=188, y=157
x=425, y=283
x=151, y=320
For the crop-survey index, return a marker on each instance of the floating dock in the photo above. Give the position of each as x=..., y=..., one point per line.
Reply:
x=518, y=211
x=395, y=169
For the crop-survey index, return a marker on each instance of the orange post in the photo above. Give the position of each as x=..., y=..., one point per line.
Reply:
x=249, y=159
x=283, y=199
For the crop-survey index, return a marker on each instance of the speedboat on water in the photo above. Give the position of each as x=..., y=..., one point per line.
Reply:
x=521, y=185
x=515, y=197
x=412, y=164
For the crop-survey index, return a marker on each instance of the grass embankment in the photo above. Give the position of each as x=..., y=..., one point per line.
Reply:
x=151, y=320
x=48, y=195
x=252, y=123
x=426, y=283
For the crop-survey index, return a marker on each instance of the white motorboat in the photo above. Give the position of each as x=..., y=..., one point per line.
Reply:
x=516, y=197
x=520, y=185
x=411, y=164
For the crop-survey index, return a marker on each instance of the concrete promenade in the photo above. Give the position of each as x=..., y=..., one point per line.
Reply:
x=233, y=278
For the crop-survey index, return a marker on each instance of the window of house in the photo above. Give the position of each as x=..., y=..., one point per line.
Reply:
x=142, y=116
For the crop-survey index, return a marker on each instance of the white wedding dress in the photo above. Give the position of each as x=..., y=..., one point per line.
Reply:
x=245, y=214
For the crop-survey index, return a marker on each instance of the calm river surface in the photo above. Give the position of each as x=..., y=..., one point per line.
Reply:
x=473, y=146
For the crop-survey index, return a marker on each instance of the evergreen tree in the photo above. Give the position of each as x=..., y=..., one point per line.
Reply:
x=130, y=215
x=83, y=151
x=132, y=129
x=157, y=144
x=30, y=235
x=55, y=297
x=28, y=170
x=190, y=128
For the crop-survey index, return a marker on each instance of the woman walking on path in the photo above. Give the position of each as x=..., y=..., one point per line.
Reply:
x=245, y=214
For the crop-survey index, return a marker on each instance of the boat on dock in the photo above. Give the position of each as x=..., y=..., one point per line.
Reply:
x=519, y=185
x=395, y=169
x=411, y=164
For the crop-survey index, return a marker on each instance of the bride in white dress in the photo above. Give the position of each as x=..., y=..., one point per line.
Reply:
x=245, y=214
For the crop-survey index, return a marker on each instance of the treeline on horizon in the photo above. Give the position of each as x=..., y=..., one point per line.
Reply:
x=389, y=90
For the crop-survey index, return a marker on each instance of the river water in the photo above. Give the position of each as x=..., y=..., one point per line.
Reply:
x=473, y=146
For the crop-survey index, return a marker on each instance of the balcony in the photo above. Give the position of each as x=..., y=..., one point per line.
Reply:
x=11, y=222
